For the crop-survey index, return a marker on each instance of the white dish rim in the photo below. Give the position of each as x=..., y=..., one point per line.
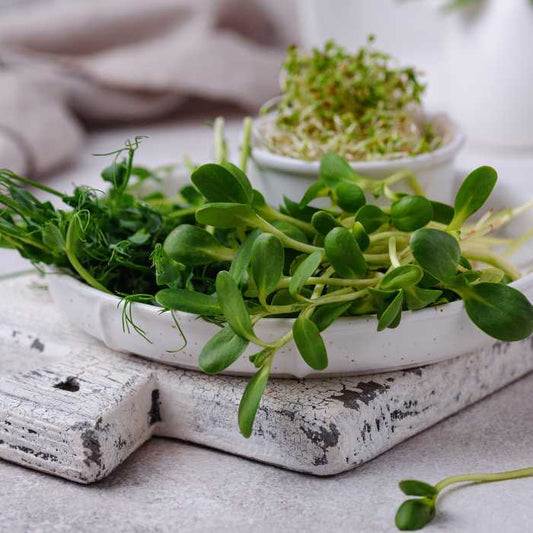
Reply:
x=455, y=307
x=266, y=158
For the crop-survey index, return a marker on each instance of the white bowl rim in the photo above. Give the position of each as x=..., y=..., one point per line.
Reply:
x=266, y=158
x=447, y=309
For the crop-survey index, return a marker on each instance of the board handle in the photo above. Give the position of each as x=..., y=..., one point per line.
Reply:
x=78, y=420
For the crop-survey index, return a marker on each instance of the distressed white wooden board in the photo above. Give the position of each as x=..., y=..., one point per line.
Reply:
x=318, y=426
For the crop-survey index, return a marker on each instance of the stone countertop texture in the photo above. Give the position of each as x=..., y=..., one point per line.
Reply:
x=169, y=485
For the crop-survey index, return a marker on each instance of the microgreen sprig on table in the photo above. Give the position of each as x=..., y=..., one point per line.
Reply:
x=414, y=514
x=359, y=106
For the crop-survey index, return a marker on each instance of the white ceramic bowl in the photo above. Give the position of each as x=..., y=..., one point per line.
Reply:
x=354, y=344
x=280, y=176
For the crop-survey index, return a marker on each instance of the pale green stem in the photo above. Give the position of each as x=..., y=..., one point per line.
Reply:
x=32, y=183
x=377, y=258
x=13, y=239
x=390, y=194
x=491, y=241
x=395, y=262
x=286, y=240
x=182, y=212
x=405, y=175
x=498, y=220
x=283, y=340
x=517, y=243
x=376, y=237
x=490, y=258
x=246, y=144
x=272, y=214
x=319, y=287
x=337, y=282
x=221, y=148
x=339, y=298
x=484, y=478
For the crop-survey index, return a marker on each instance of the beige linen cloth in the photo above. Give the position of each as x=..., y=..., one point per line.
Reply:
x=64, y=63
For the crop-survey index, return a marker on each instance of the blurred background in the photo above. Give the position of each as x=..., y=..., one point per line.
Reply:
x=78, y=77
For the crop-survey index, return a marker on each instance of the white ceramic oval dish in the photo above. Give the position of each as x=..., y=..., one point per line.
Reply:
x=280, y=176
x=354, y=344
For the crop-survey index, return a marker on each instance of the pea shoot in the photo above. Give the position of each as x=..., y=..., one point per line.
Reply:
x=360, y=106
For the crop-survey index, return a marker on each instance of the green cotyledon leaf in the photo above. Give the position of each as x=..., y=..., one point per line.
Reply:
x=437, y=252
x=401, y=277
x=188, y=302
x=220, y=183
x=267, y=262
x=390, y=318
x=309, y=343
x=361, y=236
x=410, y=213
x=344, y=253
x=316, y=190
x=350, y=197
x=371, y=217
x=499, y=310
x=227, y=215
x=473, y=193
x=243, y=257
x=304, y=271
x=233, y=306
x=415, y=514
x=334, y=169
x=418, y=298
x=192, y=245
x=221, y=351
x=413, y=487
x=251, y=399
x=323, y=222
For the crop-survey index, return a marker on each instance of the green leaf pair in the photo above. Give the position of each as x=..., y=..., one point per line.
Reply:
x=416, y=513
x=338, y=179
x=497, y=309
